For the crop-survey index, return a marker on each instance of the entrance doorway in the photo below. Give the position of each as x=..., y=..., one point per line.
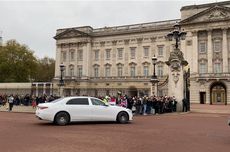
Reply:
x=218, y=93
x=202, y=97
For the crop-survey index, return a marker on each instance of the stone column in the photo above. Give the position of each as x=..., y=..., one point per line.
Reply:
x=209, y=49
x=58, y=60
x=36, y=88
x=225, y=51
x=44, y=88
x=195, y=52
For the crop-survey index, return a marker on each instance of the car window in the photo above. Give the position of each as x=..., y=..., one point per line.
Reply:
x=97, y=102
x=78, y=101
x=56, y=100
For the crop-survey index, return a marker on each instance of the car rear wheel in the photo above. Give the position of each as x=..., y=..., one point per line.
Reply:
x=62, y=118
x=122, y=117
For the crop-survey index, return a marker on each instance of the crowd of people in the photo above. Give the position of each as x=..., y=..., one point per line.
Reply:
x=26, y=100
x=139, y=105
x=144, y=105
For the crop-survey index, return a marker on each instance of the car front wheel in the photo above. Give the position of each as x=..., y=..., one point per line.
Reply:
x=122, y=117
x=62, y=118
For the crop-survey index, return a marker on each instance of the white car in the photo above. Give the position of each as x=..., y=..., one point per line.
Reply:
x=81, y=108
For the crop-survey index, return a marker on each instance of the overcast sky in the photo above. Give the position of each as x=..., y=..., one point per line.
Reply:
x=34, y=23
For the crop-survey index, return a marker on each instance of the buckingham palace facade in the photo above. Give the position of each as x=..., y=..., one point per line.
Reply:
x=106, y=60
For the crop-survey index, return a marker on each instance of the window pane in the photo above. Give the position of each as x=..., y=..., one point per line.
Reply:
x=78, y=101
x=202, y=47
x=146, y=51
x=132, y=53
x=107, y=71
x=203, y=68
x=146, y=71
x=97, y=102
x=80, y=55
x=119, y=71
x=120, y=53
x=96, y=71
x=132, y=71
x=216, y=46
x=217, y=68
x=96, y=55
x=160, y=50
x=107, y=54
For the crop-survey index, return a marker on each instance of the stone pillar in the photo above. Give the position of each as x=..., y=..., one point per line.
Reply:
x=44, y=88
x=58, y=60
x=225, y=51
x=209, y=49
x=36, y=88
x=176, y=83
x=156, y=89
x=195, y=52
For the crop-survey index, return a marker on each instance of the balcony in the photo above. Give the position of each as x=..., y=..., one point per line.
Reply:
x=211, y=76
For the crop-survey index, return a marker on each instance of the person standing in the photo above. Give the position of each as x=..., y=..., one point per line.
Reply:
x=11, y=102
x=185, y=105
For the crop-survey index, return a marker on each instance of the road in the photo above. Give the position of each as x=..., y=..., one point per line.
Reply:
x=190, y=132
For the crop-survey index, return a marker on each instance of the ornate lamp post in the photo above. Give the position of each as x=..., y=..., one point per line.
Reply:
x=61, y=82
x=176, y=34
x=176, y=63
x=154, y=79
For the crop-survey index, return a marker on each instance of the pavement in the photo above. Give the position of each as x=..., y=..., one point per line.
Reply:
x=195, y=108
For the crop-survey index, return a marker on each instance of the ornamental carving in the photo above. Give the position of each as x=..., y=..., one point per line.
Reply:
x=217, y=14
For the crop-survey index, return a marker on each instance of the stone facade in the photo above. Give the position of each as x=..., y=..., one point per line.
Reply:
x=111, y=59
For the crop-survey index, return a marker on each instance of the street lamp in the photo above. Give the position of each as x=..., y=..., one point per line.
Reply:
x=62, y=68
x=176, y=34
x=154, y=79
x=61, y=82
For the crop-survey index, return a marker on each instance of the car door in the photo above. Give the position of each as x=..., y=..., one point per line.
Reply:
x=102, y=112
x=79, y=109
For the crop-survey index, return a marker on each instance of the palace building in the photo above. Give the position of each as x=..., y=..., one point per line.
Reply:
x=103, y=61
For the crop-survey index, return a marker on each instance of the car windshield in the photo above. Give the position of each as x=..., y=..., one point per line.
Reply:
x=56, y=100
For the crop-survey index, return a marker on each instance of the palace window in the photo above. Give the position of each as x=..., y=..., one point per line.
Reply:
x=119, y=70
x=63, y=56
x=133, y=52
x=160, y=70
x=160, y=50
x=202, y=47
x=217, y=46
x=72, y=55
x=107, y=54
x=96, y=55
x=71, y=70
x=146, y=71
x=120, y=53
x=217, y=67
x=96, y=71
x=79, y=70
x=146, y=52
x=202, y=68
x=107, y=71
x=80, y=55
x=132, y=71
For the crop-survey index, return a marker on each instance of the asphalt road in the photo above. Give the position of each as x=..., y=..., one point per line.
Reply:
x=190, y=132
